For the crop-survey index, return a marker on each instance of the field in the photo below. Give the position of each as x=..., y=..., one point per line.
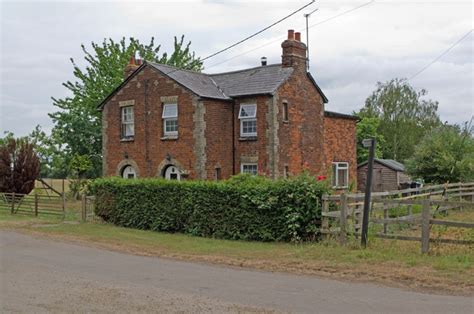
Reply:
x=446, y=269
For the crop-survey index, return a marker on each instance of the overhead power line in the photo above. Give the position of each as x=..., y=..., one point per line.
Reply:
x=280, y=38
x=253, y=35
x=259, y=32
x=442, y=54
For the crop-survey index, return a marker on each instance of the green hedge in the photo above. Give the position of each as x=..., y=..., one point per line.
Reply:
x=243, y=207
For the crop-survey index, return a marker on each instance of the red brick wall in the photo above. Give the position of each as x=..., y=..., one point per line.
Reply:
x=244, y=148
x=301, y=138
x=149, y=145
x=340, y=144
x=218, y=135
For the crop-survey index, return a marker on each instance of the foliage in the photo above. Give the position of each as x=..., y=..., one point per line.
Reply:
x=19, y=166
x=78, y=123
x=444, y=155
x=404, y=116
x=52, y=163
x=367, y=127
x=244, y=208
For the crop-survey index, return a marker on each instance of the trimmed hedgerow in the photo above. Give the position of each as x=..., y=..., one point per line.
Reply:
x=243, y=207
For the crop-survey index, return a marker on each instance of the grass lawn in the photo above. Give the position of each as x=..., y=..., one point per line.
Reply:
x=447, y=269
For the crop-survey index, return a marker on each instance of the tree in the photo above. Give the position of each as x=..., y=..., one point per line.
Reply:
x=404, y=116
x=444, y=155
x=367, y=127
x=19, y=166
x=78, y=123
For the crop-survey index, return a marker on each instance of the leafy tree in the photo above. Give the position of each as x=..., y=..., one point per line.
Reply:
x=78, y=123
x=445, y=154
x=404, y=116
x=19, y=166
x=367, y=127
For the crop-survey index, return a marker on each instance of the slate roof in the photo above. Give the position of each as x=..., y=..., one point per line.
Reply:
x=224, y=86
x=390, y=163
x=199, y=83
x=254, y=81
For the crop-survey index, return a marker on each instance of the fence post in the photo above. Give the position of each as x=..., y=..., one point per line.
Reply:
x=385, y=216
x=36, y=204
x=425, y=227
x=84, y=207
x=13, y=203
x=325, y=219
x=343, y=219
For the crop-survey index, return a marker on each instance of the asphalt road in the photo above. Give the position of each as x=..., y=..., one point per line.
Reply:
x=40, y=275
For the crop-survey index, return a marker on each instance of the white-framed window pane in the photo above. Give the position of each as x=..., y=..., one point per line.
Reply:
x=171, y=126
x=170, y=111
x=340, y=174
x=250, y=169
x=248, y=127
x=128, y=126
x=248, y=111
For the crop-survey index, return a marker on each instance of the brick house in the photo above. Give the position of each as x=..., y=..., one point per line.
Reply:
x=268, y=120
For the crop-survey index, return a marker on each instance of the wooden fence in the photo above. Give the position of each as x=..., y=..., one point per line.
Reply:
x=87, y=208
x=342, y=214
x=33, y=204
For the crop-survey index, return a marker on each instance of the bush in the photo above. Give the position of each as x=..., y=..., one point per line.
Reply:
x=243, y=208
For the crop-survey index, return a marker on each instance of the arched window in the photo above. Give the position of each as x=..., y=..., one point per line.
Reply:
x=129, y=172
x=172, y=173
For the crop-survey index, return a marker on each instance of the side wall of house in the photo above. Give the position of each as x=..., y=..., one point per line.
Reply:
x=301, y=138
x=340, y=144
x=149, y=151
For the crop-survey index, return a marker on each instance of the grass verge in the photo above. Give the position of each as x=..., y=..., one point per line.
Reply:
x=448, y=269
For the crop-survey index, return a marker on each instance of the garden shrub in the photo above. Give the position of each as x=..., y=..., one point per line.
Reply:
x=241, y=208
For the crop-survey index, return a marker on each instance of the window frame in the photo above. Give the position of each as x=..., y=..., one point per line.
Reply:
x=124, y=124
x=252, y=164
x=128, y=175
x=340, y=165
x=251, y=118
x=170, y=118
x=285, y=113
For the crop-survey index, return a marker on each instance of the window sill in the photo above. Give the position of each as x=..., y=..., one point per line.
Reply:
x=247, y=138
x=127, y=139
x=340, y=187
x=285, y=121
x=169, y=138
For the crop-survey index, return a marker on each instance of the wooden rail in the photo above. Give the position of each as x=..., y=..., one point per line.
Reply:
x=443, y=197
x=33, y=204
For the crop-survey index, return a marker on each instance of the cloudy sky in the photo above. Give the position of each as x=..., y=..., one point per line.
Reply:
x=350, y=52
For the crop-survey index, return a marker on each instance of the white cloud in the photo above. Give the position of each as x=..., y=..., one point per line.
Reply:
x=349, y=54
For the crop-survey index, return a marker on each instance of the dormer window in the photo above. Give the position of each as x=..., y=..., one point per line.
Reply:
x=170, y=119
x=248, y=120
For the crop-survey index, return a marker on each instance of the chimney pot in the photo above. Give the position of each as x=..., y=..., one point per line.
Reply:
x=291, y=34
x=132, y=60
x=264, y=61
x=298, y=36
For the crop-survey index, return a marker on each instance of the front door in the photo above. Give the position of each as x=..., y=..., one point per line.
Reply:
x=172, y=173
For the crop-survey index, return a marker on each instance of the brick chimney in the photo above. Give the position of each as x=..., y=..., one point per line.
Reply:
x=131, y=67
x=294, y=52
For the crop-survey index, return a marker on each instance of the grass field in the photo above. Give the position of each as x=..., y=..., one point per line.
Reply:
x=447, y=269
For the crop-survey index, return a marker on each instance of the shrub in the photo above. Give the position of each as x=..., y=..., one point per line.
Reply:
x=243, y=208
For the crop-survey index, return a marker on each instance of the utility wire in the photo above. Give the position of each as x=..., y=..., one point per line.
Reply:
x=253, y=35
x=442, y=54
x=259, y=32
x=279, y=39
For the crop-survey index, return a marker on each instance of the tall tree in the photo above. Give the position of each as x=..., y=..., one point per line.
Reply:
x=367, y=127
x=404, y=116
x=78, y=123
x=445, y=154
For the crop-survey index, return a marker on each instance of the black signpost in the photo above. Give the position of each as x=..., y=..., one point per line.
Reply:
x=368, y=143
